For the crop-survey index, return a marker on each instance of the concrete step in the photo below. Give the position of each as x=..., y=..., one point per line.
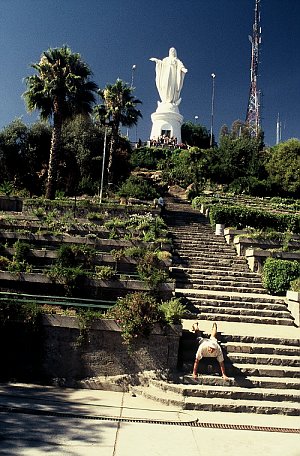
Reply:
x=224, y=289
x=217, y=302
x=246, y=297
x=228, y=389
x=262, y=358
x=251, y=382
x=221, y=273
x=204, y=254
x=279, y=350
x=242, y=312
x=245, y=319
x=210, y=261
x=265, y=370
x=215, y=403
x=215, y=280
x=218, y=266
x=203, y=247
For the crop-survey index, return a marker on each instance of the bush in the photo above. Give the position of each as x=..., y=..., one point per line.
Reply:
x=173, y=311
x=22, y=251
x=4, y=263
x=150, y=270
x=137, y=187
x=295, y=285
x=278, y=274
x=243, y=217
x=66, y=256
x=6, y=188
x=146, y=157
x=72, y=278
x=136, y=314
x=105, y=272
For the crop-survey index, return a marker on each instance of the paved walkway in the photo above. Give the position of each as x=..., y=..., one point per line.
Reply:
x=44, y=420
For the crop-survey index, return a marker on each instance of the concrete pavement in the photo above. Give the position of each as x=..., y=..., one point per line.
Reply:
x=38, y=420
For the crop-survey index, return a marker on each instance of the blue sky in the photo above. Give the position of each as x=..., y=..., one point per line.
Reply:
x=211, y=36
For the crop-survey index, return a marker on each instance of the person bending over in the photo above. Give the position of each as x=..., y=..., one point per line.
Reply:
x=209, y=348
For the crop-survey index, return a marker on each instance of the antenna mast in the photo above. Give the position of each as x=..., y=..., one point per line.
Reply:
x=253, y=109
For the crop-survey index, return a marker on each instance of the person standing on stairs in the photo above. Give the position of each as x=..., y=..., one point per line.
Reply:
x=209, y=348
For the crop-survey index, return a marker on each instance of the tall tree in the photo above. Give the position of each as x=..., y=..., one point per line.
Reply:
x=195, y=135
x=283, y=166
x=60, y=90
x=118, y=109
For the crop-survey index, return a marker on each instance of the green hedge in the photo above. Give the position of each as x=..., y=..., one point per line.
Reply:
x=278, y=274
x=242, y=217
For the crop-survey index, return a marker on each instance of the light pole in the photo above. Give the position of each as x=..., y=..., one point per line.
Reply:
x=133, y=68
x=212, y=109
x=103, y=165
x=132, y=75
x=196, y=118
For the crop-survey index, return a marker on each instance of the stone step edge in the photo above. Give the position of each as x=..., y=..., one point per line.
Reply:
x=281, y=382
x=254, y=319
x=188, y=389
x=243, y=311
x=219, y=404
x=229, y=293
x=232, y=303
x=254, y=345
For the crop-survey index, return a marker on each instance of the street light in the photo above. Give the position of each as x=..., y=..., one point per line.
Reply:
x=133, y=68
x=212, y=108
x=103, y=165
x=196, y=118
x=132, y=75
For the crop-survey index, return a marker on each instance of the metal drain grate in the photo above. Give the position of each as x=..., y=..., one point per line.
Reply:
x=194, y=423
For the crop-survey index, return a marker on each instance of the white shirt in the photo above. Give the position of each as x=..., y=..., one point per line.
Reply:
x=203, y=352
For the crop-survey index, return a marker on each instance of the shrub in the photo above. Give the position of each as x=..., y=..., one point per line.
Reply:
x=105, y=272
x=72, y=278
x=146, y=157
x=150, y=270
x=136, y=314
x=22, y=250
x=66, y=256
x=295, y=285
x=137, y=187
x=278, y=274
x=6, y=188
x=4, y=263
x=243, y=217
x=173, y=311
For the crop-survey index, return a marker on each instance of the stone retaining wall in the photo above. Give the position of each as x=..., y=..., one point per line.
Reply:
x=57, y=353
x=10, y=203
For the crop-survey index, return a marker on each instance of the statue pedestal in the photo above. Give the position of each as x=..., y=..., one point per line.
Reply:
x=166, y=120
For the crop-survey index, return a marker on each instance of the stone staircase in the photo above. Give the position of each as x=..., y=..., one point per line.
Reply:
x=258, y=336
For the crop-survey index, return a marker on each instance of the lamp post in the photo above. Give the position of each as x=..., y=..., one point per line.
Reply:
x=212, y=108
x=133, y=68
x=132, y=75
x=196, y=118
x=103, y=165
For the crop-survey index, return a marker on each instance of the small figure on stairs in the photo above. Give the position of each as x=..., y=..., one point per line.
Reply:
x=209, y=348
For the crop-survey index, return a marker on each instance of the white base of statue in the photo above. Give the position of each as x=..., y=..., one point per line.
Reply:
x=166, y=119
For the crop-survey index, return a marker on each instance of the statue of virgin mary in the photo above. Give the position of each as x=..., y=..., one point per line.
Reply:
x=170, y=73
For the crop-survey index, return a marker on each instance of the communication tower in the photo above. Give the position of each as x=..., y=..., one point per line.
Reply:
x=253, y=109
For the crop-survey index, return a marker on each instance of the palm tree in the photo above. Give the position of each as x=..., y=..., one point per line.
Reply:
x=60, y=90
x=118, y=109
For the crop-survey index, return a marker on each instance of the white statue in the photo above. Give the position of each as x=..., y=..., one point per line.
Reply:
x=170, y=74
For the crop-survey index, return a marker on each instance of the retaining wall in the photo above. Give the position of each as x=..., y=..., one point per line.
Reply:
x=55, y=351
